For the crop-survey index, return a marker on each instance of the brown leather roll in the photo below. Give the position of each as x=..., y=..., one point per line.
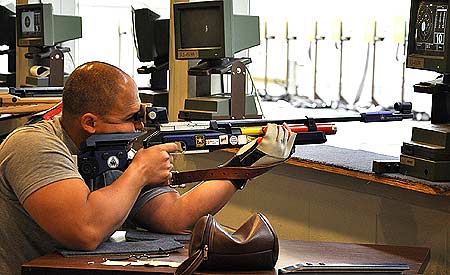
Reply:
x=253, y=246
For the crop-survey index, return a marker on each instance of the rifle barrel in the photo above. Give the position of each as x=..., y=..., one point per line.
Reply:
x=383, y=116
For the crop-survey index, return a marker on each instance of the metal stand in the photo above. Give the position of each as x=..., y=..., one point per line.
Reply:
x=267, y=38
x=205, y=105
x=376, y=39
x=288, y=39
x=405, y=40
x=238, y=84
x=427, y=155
x=56, y=77
x=342, y=102
x=317, y=38
x=52, y=57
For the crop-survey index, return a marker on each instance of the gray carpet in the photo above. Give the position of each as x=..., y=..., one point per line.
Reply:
x=356, y=160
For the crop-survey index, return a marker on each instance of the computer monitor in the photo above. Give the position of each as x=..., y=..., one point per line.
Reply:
x=429, y=36
x=210, y=30
x=7, y=27
x=151, y=36
x=151, y=39
x=37, y=26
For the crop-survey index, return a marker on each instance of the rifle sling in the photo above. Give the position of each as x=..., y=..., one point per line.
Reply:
x=222, y=173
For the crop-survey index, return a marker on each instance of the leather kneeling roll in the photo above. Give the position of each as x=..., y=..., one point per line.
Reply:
x=253, y=246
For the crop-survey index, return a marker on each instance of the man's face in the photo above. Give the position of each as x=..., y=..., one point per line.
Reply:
x=121, y=117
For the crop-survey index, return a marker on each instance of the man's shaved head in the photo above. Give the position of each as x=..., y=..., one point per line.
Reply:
x=93, y=88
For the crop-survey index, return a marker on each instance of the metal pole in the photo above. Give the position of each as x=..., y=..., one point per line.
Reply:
x=342, y=39
x=375, y=40
x=316, y=39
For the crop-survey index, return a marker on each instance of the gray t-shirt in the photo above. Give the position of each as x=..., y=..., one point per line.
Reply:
x=31, y=158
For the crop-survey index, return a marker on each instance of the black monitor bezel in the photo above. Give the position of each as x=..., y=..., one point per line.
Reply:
x=200, y=52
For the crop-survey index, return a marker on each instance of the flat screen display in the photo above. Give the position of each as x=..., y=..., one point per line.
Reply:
x=201, y=27
x=30, y=23
x=431, y=28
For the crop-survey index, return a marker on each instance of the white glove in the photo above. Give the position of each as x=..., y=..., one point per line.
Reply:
x=274, y=147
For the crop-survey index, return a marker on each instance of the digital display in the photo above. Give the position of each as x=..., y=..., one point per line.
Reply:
x=30, y=23
x=201, y=27
x=431, y=25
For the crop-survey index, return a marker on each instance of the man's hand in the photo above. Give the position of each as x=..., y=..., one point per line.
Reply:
x=154, y=164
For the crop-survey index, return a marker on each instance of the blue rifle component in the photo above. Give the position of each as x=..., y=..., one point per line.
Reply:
x=191, y=140
x=380, y=116
x=103, y=152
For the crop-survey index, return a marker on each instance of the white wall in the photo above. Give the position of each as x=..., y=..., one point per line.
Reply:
x=356, y=17
x=107, y=33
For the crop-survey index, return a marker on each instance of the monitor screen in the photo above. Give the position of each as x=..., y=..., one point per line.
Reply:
x=151, y=36
x=30, y=22
x=7, y=26
x=200, y=30
x=210, y=30
x=428, y=39
x=201, y=27
x=431, y=25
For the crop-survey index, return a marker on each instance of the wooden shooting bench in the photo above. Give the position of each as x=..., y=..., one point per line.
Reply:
x=291, y=252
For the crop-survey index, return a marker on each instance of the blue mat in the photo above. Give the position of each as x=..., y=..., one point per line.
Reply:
x=147, y=247
x=139, y=235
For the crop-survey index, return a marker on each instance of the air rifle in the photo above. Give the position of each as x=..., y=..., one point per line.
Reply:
x=102, y=152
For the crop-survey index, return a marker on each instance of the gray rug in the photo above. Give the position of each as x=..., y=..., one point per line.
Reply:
x=356, y=160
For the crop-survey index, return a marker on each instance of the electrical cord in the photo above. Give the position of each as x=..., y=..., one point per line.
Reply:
x=254, y=91
x=71, y=58
x=361, y=85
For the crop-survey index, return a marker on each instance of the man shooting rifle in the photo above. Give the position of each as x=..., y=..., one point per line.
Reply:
x=49, y=205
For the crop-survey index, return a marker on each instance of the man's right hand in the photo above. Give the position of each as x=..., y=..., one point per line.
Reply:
x=154, y=164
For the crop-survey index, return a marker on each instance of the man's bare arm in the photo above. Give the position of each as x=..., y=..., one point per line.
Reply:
x=172, y=213
x=80, y=219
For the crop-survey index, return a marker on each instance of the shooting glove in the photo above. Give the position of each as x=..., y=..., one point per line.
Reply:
x=273, y=148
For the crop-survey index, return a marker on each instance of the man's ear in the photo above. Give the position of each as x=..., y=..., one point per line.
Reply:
x=88, y=122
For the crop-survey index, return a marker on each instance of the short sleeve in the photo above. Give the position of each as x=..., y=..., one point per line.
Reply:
x=33, y=159
x=146, y=195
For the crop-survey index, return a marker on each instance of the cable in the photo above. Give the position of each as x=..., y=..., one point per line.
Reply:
x=71, y=58
x=361, y=85
x=258, y=99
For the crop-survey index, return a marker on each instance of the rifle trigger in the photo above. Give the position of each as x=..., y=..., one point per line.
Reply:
x=181, y=146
